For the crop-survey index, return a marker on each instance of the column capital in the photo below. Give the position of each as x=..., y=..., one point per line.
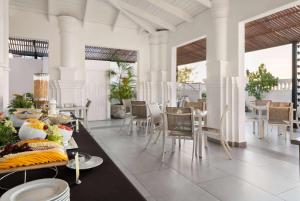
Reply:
x=68, y=24
x=159, y=37
x=220, y=8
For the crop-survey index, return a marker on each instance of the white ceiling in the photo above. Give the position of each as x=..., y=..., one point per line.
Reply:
x=148, y=15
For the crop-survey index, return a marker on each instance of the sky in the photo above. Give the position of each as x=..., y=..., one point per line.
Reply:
x=278, y=61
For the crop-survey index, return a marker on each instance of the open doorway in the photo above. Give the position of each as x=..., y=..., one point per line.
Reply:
x=98, y=61
x=271, y=67
x=191, y=71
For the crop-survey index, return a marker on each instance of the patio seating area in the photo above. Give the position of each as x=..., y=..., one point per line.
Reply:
x=265, y=170
x=150, y=100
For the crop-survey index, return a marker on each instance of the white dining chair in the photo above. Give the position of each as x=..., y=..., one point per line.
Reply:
x=139, y=114
x=219, y=133
x=178, y=123
x=127, y=108
x=155, y=122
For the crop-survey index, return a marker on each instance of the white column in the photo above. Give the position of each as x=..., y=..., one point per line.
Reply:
x=70, y=87
x=4, y=67
x=69, y=39
x=217, y=61
x=154, y=66
x=158, y=65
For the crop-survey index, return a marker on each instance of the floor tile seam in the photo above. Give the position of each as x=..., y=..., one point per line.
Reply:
x=289, y=189
x=197, y=186
x=114, y=158
x=256, y=186
x=211, y=180
x=252, y=148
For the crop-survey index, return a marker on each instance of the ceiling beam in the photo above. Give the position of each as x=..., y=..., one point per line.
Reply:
x=206, y=3
x=114, y=25
x=85, y=14
x=142, y=14
x=138, y=21
x=172, y=10
x=49, y=10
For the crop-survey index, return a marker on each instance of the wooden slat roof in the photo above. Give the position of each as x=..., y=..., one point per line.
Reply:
x=28, y=47
x=110, y=54
x=278, y=29
x=192, y=52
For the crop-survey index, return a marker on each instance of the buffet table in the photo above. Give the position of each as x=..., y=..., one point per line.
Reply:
x=105, y=182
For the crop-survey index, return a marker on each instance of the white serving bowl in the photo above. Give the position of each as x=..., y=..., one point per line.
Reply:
x=59, y=118
x=66, y=135
x=26, y=132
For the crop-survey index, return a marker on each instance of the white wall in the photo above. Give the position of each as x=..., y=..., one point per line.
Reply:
x=92, y=34
x=97, y=89
x=21, y=74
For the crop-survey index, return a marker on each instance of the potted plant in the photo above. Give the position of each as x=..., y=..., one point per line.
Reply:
x=122, y=87
x=203, y=95
x=21, y=101
x=260, y=82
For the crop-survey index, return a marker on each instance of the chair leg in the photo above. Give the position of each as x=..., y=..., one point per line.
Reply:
x=150, y=138
x=193, y=152
x=291, y=131
x=179, y=142
x=196, y=144
x=226, y=149
x=130, y=126
x=227, y=145
x=163, y=148
x=253, y=127
x=200, y=142
x=158, y=135
x=123, y=123
x=205, y=141
x=147, y=125
x=173, y=144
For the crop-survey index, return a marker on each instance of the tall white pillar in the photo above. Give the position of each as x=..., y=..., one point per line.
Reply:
x=69, y=39
x=222, y=88
x=158, y=65
x=4, y=66
x=217, y=61
x=70, y=87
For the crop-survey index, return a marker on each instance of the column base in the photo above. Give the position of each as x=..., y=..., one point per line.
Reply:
x=68, y=91
x=232, y=144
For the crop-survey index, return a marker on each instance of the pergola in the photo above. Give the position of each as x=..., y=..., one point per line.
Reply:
x=278, y=29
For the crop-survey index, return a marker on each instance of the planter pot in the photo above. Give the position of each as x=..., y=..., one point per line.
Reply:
x=118, y=111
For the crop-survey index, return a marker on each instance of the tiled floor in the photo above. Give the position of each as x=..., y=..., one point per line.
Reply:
x=267, y=170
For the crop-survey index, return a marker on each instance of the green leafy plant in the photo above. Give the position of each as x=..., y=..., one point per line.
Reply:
x=21, y=101
x=7, y=132
x=260, y=82
x=184, y=75
x=122, y=82
x=203, y=95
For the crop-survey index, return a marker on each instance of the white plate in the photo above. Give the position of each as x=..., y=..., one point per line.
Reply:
x=84, y=165
x=41, y=190
x=63, y=197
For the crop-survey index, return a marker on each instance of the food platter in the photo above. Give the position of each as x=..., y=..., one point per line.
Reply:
x=34, y=167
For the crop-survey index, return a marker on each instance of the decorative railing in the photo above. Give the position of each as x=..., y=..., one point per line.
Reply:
x=283, y=84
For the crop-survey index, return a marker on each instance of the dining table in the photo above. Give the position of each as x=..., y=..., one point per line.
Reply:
x=103, y=183
x=76, y=110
